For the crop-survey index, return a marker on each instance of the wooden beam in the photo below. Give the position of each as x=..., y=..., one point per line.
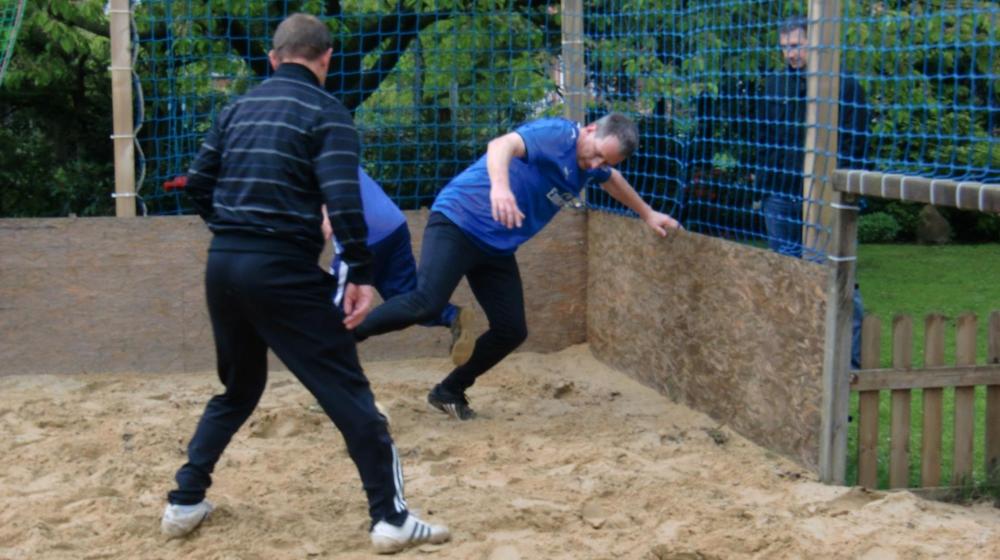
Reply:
x=837, y=344
x=121, y=107
x=822, y=121
x=967, y=195
x=573, y=68
x=957, y=376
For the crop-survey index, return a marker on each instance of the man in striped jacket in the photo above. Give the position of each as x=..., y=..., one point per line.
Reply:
x=271, y=160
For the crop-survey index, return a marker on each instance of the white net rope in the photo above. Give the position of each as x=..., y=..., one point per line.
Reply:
x=10, y=23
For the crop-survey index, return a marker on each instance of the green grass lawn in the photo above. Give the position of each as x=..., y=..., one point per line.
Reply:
x=917, y=280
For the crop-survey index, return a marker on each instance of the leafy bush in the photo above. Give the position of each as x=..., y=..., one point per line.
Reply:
x=41, y=175
x=907, y=215
x=970, y=226
x=967, y=226
x=878, y=227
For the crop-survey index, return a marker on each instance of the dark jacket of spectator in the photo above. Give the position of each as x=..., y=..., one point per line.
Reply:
x=782, y=131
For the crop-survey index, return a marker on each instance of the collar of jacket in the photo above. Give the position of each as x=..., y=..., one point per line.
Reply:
x=298, y=72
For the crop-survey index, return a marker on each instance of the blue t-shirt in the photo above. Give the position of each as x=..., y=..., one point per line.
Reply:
x=382, y=216
x=543, y=181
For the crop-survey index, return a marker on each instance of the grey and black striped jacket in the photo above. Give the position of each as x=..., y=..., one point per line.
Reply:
x=271, y=159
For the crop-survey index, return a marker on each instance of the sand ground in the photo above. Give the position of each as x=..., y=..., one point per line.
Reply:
x=568, y=460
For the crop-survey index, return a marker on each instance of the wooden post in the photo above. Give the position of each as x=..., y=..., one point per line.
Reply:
x=965, y=401
x=899, y=448
x=871, y=351
x=930, y=453
x=837, y=346
x=121, y=101
x=573, y=67
x=822, y=120
x=574, y=70
x=993, y=403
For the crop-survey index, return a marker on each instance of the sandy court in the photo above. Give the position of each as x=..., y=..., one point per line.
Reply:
x=568, y=460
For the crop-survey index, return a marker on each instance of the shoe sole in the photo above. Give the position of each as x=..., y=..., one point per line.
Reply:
x=461, y=351
x=392, y=547
x=422, y=533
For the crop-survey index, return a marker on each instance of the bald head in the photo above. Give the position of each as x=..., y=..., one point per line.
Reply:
x=301, y=36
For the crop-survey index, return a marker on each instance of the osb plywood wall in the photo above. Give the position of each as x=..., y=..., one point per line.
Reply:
x=108, y=294
x=730, y=330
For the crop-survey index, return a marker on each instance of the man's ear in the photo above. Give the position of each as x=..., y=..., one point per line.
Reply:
x=324, y=61
x=273, y=57
x=322, y=66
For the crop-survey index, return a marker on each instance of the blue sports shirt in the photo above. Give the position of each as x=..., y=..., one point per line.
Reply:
x=543, y=181
x=382, y=216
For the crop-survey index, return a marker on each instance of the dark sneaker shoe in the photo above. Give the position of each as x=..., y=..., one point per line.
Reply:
x=462, y=341
x=454, y=405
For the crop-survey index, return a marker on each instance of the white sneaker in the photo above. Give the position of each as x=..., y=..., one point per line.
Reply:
x=180, y=520
x=387, y=538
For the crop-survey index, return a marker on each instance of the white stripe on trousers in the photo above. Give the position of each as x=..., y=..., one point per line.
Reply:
x=397, y=471
x=341, y=273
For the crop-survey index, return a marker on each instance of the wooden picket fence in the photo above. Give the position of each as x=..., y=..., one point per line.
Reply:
x=933, y=379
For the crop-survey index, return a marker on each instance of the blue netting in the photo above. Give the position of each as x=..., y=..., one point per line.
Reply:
x=709, y=87
x=721, y=118
x=429, y=89
x=931, y=73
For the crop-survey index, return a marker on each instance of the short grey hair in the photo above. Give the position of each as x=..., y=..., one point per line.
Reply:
x=622, y=128
x=791, y=23
x=301, y=35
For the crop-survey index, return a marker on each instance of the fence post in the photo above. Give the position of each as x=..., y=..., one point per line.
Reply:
x=930, y=453
x=121, y=101
x=993, y=402
x=871, y=355
x=573, y=67
x=822, y=120
x=899, y=443
x=837, y=346
x=574, y=71
x=965, y=400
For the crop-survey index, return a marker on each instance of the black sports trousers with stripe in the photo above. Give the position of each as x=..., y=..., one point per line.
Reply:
x=260, y=300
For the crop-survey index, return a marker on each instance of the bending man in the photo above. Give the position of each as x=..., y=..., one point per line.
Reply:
x=484, y=214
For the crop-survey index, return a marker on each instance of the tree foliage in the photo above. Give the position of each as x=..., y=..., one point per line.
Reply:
x=55, y=155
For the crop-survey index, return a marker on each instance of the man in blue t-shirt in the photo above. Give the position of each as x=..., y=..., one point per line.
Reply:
x=393, y=266
x=484, y=214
